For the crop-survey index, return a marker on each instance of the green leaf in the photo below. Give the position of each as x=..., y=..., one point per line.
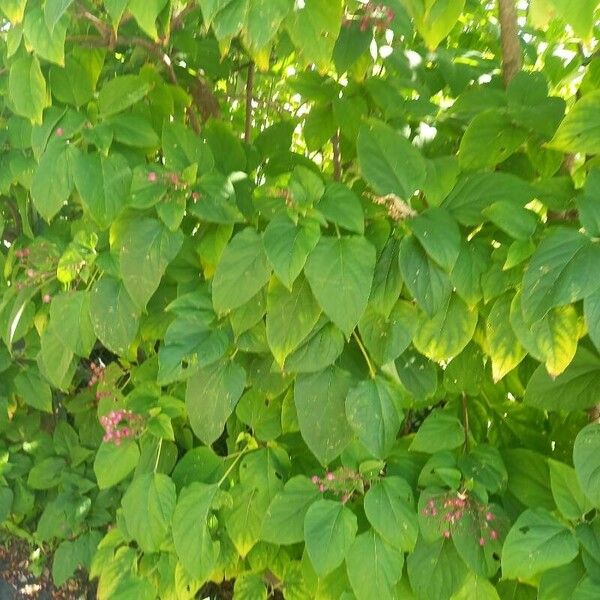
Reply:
x=591, y=311
x=121, y=92
x=250, y=586
x=145, y=12
x=27, y=88
x=435, y=19
x=537, y=542
x=558, y=584
x=34, y=390
x=195, y=548
x=305, y=187
x=14, y=10
x=435, y=570
x=558, y=273
x=374, y=567
x=114, y=315
x=439, y=235
x=476, y=587
x=473, y=193
x=320, y=404
x=284, y=520
x=6, y=500
x=288, y=245
x=323, y=346
x=556, y=338
x=387, y=280
x=53, y=182
x=429, y=284
x=314, y=28
x=291, y=316
x=146, y=249
x=502, y=344
x=263, y=20
x=417, y=374
x=68, y=556
x=439, y=431
x=446, y=334
x=54, y=10
x=585, y=459
x=490, y=139
x=211, y=396
x=70, y=318
x=580, y=130
x=510, y=217
x=148, y=506
x=567, y=492
x=113, y=463
x=241, y=273
x=389, y=162
x=47, y=43
x=340, y=274
x=389, y=507
x=374, y=415
x=329, y=530
x=387, y=338
x=103, y=185
x=341, y=206
x=572, y=390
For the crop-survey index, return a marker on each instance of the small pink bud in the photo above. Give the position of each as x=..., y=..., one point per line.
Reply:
x=446, y=534
x=59, y=132
x=152, y=176
x=30, y=273
x=494, y=534
x=321, y=488
x=330, y=476
x=46, y=298
x=314, y=479
x=481, y=542
x=489, y=517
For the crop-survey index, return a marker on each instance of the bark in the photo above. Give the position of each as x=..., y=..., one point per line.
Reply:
x=511, y=45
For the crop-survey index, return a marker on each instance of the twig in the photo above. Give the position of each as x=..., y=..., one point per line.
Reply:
x=249, y=93
x=363, y=350
x=511, y=44
x=465, y=412
x=337, y=164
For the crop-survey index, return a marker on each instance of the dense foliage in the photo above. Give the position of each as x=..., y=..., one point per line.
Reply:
x=301, y=294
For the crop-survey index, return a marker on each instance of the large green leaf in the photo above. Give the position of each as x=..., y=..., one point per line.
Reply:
x=580, y=130
x=374, y=414
x=439, y=235
x=567, y=492
x=585, y=459
x=115, y=317
x=288, y=245
x=329, y=530
x=374, y=567
x=340, y=274
x=242, y=271
x=284, y=519
x=27, y=88
x=195, y=548
x=591, y=311
x=53, y=180
x=121, y=92
x=103, y=185
x=291, y=316
x=572, y=390
x=446, y=333
x=389, y=507
x=263, y=20
x=145, y=13
x=537, y=542
x=314, y=27
x=34, y=390
x=148, y=506
x=146, y=249
x=502, y=343
x=387, y=338
x=429, y=284
x=476, y=587
x=388, y=161
x=70, y=319
x=439, y=431
x=558, y=273
x=113, y=463
x=435, y=18
x=320, y=404
x=211, y=396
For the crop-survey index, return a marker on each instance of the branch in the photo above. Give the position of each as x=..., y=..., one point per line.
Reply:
x=511, y=44
x=249, y=93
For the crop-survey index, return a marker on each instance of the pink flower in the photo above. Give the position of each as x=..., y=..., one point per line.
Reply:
x=321, y=488
x=446, y=534
x=494, y=534
x=152, y=176
x=59, y=132
x=481, y=542
x=314, y=479
x=330, y=476
x=46, y=298
x=489, y=517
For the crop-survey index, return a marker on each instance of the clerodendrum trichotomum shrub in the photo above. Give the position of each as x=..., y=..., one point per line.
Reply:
x=302, y=295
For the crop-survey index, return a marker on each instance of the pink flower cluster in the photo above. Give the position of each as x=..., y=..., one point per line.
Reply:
x=379, y=16
x=343, y=483
x=452, y=510
x=97, y=374
x=120, y=425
